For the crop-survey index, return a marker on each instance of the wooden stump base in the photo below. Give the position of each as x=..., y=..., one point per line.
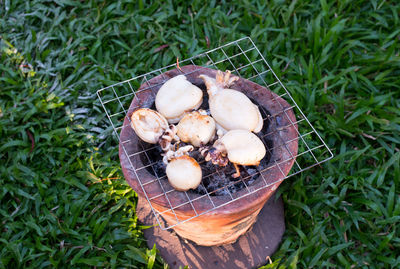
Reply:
x=249, y=251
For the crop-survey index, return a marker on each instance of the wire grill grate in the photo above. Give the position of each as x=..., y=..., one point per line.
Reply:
x=244, y=59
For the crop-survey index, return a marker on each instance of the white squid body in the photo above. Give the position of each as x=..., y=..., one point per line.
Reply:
x=148, y=124
x=231, y=109
x=196, y=129
x=243, y=147
x=176, y=97
x=184, y=173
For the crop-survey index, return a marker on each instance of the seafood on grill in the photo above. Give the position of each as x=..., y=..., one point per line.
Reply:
x=196, y=128
x=153, y=128
x=148, y=124
x=233, y=118
x=231, y=109
x=176, y=97
x=176, y=152
x=240, y=147
x=183, y=172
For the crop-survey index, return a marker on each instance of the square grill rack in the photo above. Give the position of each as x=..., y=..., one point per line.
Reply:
x=245, y=60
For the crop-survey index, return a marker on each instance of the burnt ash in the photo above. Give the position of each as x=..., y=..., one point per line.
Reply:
x=217, y=181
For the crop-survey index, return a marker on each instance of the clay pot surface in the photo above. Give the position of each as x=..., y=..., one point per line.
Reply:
x=224, y=223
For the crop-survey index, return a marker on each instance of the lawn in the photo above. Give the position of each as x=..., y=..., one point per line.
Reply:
x=63, y=199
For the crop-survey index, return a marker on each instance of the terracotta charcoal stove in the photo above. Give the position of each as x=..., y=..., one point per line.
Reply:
x=222, y=208
x=214, y=224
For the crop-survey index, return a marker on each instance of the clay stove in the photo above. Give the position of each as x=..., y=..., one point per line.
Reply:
x=221, y=209
x=220, y=219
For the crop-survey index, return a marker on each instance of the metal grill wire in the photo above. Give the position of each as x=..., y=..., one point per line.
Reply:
x=245, y=60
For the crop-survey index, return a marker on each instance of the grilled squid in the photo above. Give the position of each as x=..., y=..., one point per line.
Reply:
x=231, y=109
x=183, y=172
x=240, y=147
x=196, y=128
x=176, y=97
x=153, y=128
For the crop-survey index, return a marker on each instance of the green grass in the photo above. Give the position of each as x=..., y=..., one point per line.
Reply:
x=63, y=199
